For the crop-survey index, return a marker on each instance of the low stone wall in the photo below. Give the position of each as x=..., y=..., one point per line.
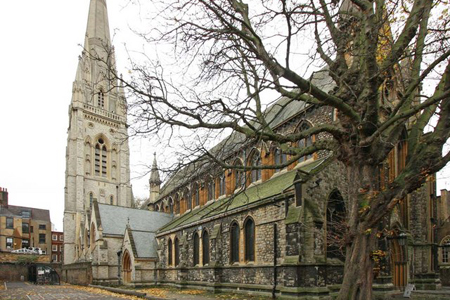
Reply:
x=14, y=271
x=78, y=273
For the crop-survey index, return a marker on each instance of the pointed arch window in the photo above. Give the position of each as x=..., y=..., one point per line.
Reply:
x=306, y=142
x=196, y=194
x=249, y=234
x=234, y=243
x=255, y=161
x=177, y=252
x=280, y=159
x=91, y=200
x=196, y=249
x=101, y=99
x=222, y=185
x=187, y=197
x=177, y=204
x=169, y=252
x=335, y=225
x=211, y=189
x=101, y=158
x=239, y=175
x=205, y=247
x=170, y=205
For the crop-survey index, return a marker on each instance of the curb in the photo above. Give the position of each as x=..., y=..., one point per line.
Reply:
x=128, y=292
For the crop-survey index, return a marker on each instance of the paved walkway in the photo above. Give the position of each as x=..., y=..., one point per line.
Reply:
x=28, y=291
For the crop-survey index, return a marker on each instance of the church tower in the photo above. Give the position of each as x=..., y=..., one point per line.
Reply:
x=97, y=153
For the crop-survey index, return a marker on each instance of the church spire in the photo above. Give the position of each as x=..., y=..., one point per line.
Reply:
x=155, y=182
x=98, y=24
x=154, y=177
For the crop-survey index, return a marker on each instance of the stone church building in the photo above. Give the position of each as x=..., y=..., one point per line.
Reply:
x=267, y=231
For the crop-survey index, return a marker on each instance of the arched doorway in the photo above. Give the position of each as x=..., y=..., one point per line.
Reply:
x=126, y=267
x=335, y=226
x=399, y=261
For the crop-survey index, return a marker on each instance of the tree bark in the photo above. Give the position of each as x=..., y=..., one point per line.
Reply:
x=358, y=270
x=361, y=239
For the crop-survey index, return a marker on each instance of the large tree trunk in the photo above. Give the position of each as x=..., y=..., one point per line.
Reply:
x=358, y=270
x=360, y=240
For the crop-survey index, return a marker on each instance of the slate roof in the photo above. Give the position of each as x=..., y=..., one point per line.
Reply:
x=282, y=110
x=270, y=188
x=114, y=219
x=143, y=243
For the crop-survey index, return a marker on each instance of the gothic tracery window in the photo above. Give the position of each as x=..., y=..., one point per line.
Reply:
x=280, y=159
x=255, y=161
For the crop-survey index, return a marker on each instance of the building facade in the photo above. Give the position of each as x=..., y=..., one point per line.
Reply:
x=57, y=246
x=97, y=153
x=277, y=231
x=23, y=227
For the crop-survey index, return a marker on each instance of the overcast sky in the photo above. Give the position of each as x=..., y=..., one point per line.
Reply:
x=40, y=44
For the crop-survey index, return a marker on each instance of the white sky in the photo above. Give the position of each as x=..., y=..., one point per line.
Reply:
x=38, y=59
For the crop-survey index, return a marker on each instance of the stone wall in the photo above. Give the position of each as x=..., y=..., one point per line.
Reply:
x=14, y=271
x=78, y=273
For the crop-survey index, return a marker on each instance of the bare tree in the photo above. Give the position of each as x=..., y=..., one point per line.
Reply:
x=389, y=63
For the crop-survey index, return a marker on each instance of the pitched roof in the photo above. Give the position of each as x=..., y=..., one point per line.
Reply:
x=270, y=188
x=114, y=219
x=143, y=243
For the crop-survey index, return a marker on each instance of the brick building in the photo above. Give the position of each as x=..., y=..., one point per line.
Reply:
x=22, y=226
x=57, y=246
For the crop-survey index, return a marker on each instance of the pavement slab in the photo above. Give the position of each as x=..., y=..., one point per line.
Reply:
x=29, y=291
